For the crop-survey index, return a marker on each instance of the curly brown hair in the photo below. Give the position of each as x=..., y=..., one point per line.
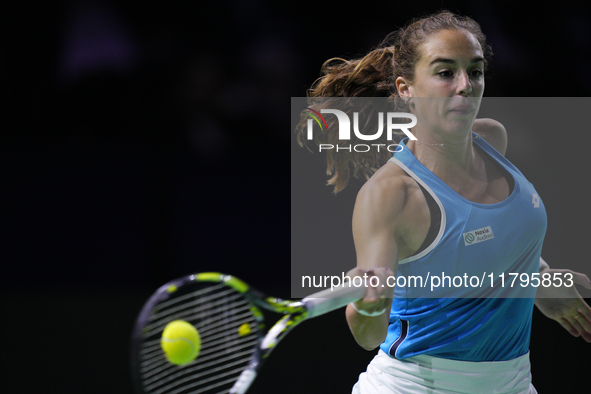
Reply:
x=374, y=75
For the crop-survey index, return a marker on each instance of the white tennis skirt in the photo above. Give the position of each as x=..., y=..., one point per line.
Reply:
x=424, y=374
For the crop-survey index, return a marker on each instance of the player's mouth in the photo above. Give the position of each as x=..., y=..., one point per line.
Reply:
x=462, y=109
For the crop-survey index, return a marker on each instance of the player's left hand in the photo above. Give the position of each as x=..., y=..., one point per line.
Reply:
x=565, y=304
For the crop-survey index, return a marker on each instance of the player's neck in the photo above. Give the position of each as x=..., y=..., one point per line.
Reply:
x=455, y=162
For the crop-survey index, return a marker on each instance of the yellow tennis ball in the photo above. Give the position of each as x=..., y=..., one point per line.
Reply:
x=181, y=342
x=244, y=329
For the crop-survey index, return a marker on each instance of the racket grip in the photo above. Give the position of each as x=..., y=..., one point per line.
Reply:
x=331, y=299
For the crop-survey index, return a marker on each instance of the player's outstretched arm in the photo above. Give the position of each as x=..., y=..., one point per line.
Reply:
x=376, y=219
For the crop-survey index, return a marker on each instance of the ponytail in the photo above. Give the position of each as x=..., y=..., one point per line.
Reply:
x=374, y=75
x=370, y=76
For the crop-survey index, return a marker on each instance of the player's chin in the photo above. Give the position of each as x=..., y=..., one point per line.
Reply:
x=460, y=121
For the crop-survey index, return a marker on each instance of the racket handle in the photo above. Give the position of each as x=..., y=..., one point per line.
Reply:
x=331, y=299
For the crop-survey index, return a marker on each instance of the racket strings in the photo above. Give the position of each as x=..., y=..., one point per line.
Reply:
x=221, y=340
x=218, y=288
x=169, y=377
x=199, y=382
x=207, y=320
x=162, y=375
x=195, y=389
x=148, y=367
x=183, y=307
x=229, y=332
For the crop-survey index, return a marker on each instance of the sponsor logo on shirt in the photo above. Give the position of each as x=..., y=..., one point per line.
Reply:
x=476, y=236
x=535, y=200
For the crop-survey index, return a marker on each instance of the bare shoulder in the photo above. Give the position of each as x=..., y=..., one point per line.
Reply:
x=493, y=132
x=389, y=214
x=385, y=195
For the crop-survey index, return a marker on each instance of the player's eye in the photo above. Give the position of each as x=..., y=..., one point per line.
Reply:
x=445, y=74
x=476, y=73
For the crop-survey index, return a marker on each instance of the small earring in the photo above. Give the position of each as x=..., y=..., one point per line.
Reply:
x=408, y=100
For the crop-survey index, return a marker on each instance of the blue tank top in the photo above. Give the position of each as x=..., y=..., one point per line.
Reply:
x=469, y=323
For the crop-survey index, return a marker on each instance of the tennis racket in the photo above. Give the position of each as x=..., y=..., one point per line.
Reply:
x=234, y=339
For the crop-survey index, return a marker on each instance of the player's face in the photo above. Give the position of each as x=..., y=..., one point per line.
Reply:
x=450, y=66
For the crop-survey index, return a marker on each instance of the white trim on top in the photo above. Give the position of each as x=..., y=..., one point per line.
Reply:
x=443, y=215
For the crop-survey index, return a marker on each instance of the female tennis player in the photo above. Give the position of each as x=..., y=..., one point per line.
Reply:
x=415, y=212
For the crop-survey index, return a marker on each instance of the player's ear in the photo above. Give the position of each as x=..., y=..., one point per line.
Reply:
x=403, y=88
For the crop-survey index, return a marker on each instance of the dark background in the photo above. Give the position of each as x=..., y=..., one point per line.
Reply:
x=140, y=143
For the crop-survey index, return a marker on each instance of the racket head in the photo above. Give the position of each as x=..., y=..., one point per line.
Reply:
x=231, y=328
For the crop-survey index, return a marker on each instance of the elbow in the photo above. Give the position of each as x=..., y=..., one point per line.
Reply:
x=369, y=347
x=369, y=332
x=370, y=343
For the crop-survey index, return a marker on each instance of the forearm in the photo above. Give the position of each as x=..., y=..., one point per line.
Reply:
x=369, y=331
